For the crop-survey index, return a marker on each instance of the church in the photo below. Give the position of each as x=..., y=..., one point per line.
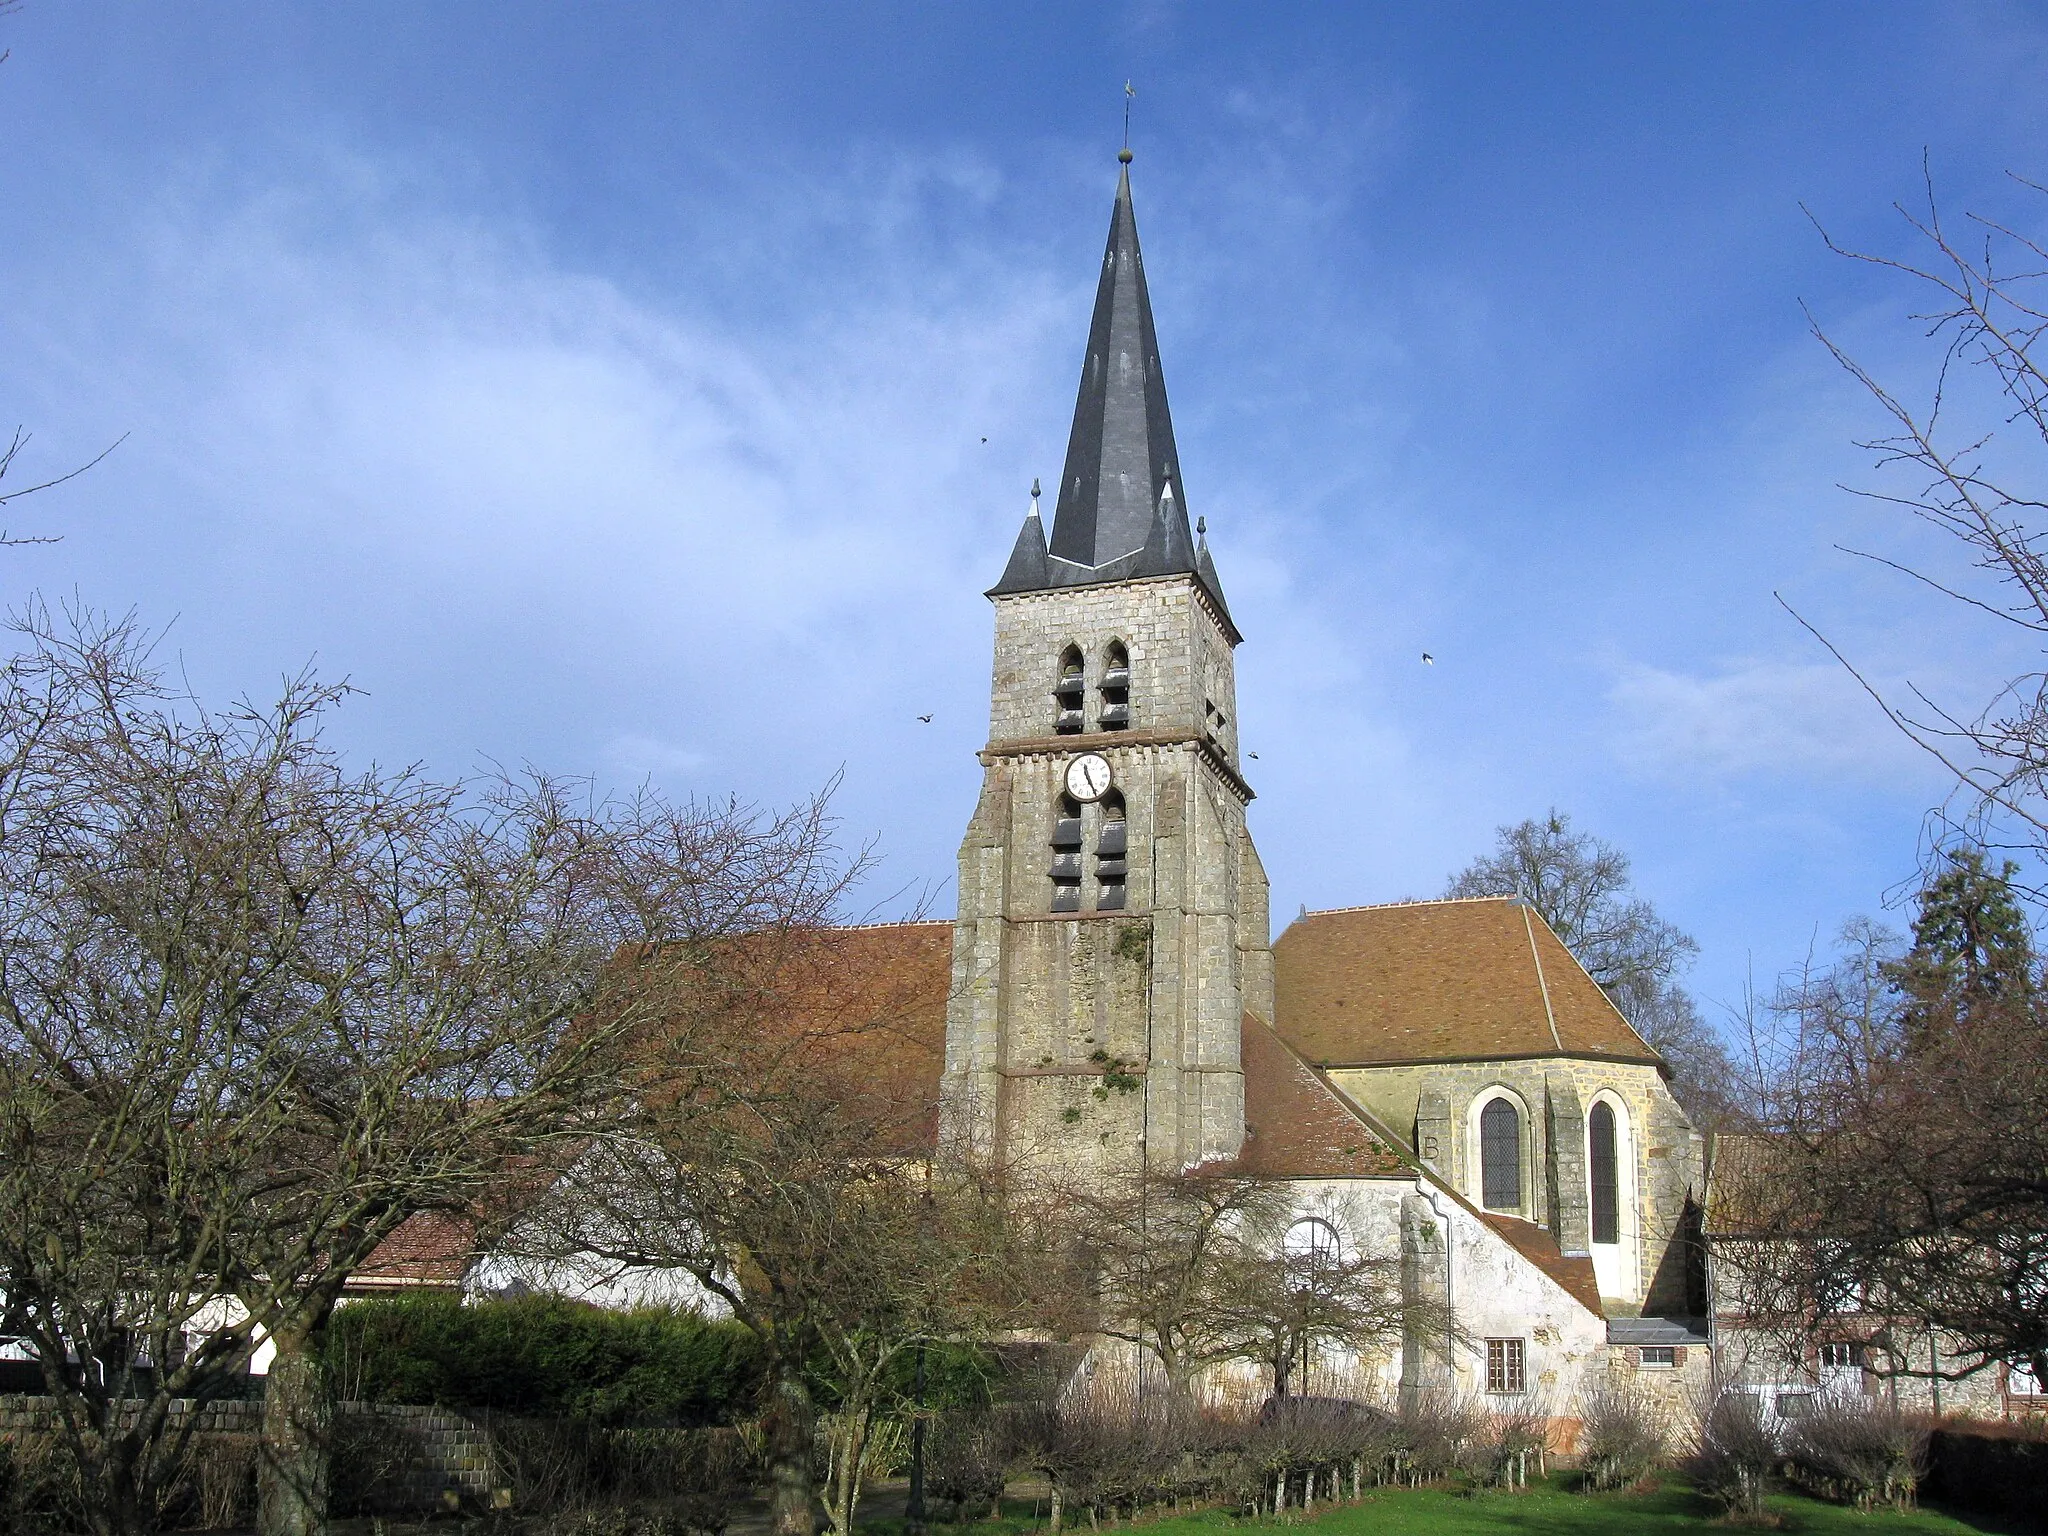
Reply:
x=1443, y=1074
x=1439, y=1081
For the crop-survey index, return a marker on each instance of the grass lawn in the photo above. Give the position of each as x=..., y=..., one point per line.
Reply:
x=1543, y=1509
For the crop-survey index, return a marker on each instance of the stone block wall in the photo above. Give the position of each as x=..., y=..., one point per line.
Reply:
x=1182, y=675
x=1434, y=1102
x=452, y=1454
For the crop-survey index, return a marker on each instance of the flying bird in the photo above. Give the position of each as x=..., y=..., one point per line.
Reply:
x=924, y=719
x=1428, y=660
x=984, y=439
x=1253, y=756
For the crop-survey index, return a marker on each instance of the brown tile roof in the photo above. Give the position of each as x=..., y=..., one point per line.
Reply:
x=1440, y=981
x=1295, y=1125
x=1743, y=1195
x=857, y=1015
x=1574, y=1276
x=879, y=1007
x=429, y=1250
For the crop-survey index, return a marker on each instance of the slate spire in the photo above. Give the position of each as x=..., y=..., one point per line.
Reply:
x=1120, y=454
x=1121, y=510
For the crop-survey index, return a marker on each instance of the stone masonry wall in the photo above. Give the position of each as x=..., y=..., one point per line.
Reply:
x=453, y=1454
x=1667, y=1151
x=1053, y=1016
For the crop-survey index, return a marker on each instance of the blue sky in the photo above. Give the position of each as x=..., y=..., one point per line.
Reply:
x=604, y=387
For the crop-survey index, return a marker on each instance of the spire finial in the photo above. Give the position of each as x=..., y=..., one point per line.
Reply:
x=1034, y=495
x=1202, y=526
x=1130, y=95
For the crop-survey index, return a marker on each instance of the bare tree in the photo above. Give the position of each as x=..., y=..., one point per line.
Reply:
x=1292, y=1297
x=256, y=1010
x=1579, y=884
x=1196, y=1269
x=779, y=1153
x=19, y=442
x=1163, y=1250
x=1965, y=460
x=1902, y=1183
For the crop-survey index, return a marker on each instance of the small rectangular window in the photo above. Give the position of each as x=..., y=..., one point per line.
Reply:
x=2020, y=1381
x=1841, y=1356
x=1506, y=1370
x=1659, y=1357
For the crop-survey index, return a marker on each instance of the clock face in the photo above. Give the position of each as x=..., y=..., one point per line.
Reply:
x=1088, y=776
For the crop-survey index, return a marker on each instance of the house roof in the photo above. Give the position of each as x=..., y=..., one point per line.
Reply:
x=1424, y=981
x=1744, y=1197
x=428, y=1250
x=1295, y=1124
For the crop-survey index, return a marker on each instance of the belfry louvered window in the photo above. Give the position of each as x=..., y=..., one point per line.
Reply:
x=1112, y=848
x=1066, y=856
x=1068, y=691
x=1604, y=1167
x=1500, y=1156
x=1116, y=688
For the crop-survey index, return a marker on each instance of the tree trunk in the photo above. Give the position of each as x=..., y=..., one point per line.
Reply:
x=849, y=1454
x=792, y=1423
x=298, y=1416
x=1053, y=1524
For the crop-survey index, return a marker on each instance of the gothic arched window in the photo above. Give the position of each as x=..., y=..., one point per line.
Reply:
x=1066, y=856
x=1500, y=1156
x=1116, y=687
x=1313, y=1242
x=1604, y=1167
x=1067, y=691
x=1112, y=845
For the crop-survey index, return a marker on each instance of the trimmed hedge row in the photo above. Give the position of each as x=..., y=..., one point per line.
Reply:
x=546, y=1358
x=1995, y=1473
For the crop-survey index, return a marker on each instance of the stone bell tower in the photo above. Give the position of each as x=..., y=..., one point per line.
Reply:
x=1112, y=929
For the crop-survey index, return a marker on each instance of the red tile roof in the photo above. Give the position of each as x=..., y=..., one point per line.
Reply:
x=1573, y=1275
x=430, y=1250
x=1440, y=981
x=1296, y=1126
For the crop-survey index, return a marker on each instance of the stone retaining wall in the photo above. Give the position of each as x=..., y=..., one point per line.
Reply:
x=451, y=1454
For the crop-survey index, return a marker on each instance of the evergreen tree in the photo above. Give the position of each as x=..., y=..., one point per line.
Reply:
x=1972, y=950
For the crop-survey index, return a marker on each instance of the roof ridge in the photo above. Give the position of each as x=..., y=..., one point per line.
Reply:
x=1409, y=901
x=914, y=922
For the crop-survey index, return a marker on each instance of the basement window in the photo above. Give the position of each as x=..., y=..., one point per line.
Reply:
x=1659, y=1357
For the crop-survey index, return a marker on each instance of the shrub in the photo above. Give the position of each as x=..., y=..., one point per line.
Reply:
x=224, y=1470
x=1512, y=1437
x=1440, y=1432
x=39, y=1487
x=545, y=1357
x=1736, y=1453
x=967, y=1454
x=1998, y=1467
x=1862, y=1452
x=375, y=1466
x=691, y=1479
x=1621, y=1435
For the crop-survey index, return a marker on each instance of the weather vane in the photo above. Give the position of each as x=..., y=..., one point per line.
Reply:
x=1130, y=94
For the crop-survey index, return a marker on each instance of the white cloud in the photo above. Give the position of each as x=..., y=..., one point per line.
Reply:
x=647, y=756
x=1755, y=717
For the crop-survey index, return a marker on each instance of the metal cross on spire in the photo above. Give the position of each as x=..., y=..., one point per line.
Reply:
x=1130, y=95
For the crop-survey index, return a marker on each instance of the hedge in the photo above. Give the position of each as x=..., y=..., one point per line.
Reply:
x=545, y=1357
x=1999, y=1470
